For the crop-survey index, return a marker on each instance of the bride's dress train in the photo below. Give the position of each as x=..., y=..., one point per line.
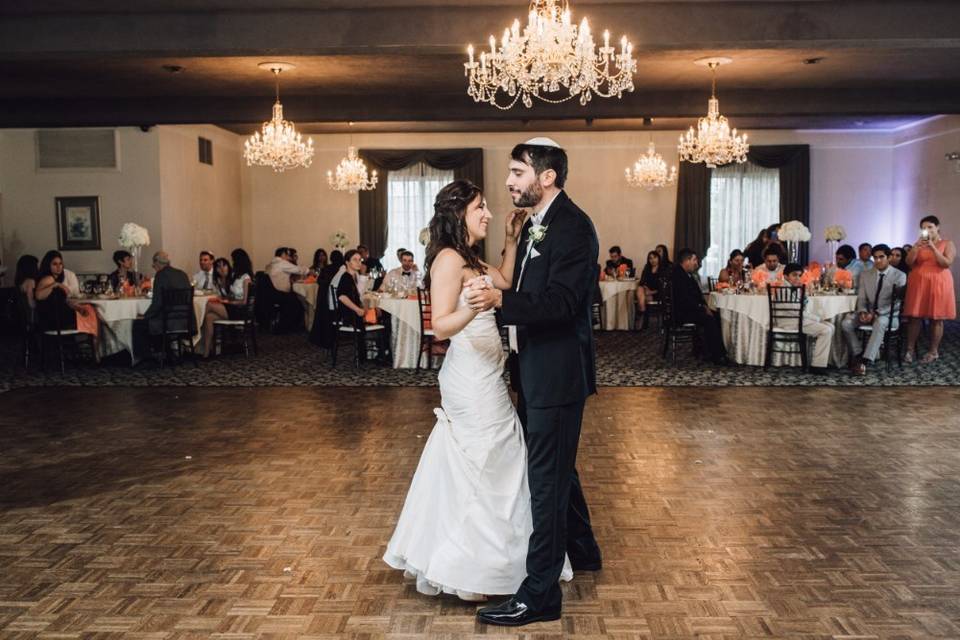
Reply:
x=466, y=521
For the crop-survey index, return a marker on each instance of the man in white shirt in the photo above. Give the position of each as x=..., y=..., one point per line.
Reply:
x=404, y=276
x=282, y=270
x=203, y=279
x=71, y=282
x=771, y=268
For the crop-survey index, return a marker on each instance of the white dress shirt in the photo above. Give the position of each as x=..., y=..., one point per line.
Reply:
x=204, y=279
x=72, y=283
x=280, y=271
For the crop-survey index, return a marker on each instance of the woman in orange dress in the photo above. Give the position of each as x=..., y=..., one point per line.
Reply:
x=929, y=287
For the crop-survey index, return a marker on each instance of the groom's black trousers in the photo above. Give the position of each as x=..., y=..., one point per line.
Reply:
x=561, y=520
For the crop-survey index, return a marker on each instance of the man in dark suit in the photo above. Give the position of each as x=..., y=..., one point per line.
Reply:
x=689, y=306
x=553, y=371
x=167, y=278
x=616, y=260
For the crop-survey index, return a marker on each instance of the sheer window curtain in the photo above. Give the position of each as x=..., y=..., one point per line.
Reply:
x=410, y=195
x=744, y=198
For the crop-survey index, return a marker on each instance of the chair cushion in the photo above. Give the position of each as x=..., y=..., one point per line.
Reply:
x=779, y=330
x=369, y=328
x=429, y=332
x=64, y=332
x=232, y=323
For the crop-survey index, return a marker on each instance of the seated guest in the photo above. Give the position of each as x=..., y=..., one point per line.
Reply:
x=167, y=278
x=846, y=259
x=771, y=269
x=124, y=273
x=319, y=262
x=820, y=330
x=332, y=269
x=282, y=271
x=54, y=301
x=242, y=265
x=352, y=311
x=733, y=274
x=689, y=306
x=865, y=251
x=234, y=290
x=664, y=254
x=203, y=279
x=404, y=276
x=651, y=281
x=369, y=263
x=616, y=261
x=898, y=259
x=874, y=299
x=25, y=280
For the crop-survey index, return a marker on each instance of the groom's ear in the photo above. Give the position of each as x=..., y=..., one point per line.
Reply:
x=547, y=178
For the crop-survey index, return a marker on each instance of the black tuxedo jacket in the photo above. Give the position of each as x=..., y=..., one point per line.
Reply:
x=687, y=297
x=556, y=363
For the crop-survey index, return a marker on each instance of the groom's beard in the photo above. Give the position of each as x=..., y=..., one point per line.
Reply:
x=531, y=197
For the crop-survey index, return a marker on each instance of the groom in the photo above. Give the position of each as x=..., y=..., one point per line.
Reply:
x=552, y=368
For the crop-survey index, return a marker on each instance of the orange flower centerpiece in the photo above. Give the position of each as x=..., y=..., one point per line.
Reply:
x=759, y=279
x=843, y=278
x=622, y=271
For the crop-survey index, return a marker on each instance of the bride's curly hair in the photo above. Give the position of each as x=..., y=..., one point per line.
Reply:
x=448, y=227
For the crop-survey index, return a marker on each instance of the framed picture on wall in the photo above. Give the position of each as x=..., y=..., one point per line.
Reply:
x=78, y=223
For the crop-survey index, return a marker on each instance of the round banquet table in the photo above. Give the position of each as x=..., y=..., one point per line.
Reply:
x=619, y=304
x=308, y=292
x=116, y=322
x=744, y=319
x=404, y=325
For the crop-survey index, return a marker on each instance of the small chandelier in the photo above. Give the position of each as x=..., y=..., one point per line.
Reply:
x=552, y=60
x=713, y=142
x=351, y=174
x=277, y=144
x=650, y=171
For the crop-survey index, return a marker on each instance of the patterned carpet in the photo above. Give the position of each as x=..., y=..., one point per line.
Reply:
x=625, y=359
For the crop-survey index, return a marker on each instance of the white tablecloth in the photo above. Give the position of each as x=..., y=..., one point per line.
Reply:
x=116, y=322
x=405, y=329
x=308, y=296
x=619, y=304
x=744, y=320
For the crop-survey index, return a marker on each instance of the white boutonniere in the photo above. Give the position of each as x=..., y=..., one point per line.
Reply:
x=537, y=233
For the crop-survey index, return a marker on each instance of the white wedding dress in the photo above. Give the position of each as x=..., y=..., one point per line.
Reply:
x=466, y=522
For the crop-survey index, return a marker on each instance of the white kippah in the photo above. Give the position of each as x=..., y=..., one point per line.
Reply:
x=543, y=142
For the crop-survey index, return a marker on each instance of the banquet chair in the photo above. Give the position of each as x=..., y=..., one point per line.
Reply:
x=244, y=328
x=27, y=322
x=712, y=283
x=786, y=323
x=596, y=308
x=67, y=340
x=674, y=332
x=178, y=324
x=267, y=307
x=428, y=340
x=356, y=332
x=896, y=329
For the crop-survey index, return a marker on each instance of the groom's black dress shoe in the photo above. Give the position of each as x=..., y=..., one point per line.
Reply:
x=586, y=565
x=514, y=613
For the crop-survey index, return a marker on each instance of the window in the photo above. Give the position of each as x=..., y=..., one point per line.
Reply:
x=205, y=148
x=744, y=199
x=410, y=195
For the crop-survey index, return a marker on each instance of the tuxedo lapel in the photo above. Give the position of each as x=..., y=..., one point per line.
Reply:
x=521, y=252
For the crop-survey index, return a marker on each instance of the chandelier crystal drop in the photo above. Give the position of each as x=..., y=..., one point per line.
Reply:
x=551, y=59
x=650, y=171
x=351, y=174
x=277, y=144
x=713, y=142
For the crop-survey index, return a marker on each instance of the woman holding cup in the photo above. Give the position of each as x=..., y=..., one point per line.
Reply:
x=930, y=293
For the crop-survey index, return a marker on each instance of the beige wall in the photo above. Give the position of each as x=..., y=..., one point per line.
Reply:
x=27, y=214
x=200, y=204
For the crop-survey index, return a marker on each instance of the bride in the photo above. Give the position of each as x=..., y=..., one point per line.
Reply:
x=466, y=521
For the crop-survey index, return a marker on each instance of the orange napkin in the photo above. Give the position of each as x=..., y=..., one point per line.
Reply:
x=310, y=280
x=370, y=317
x=723, y=285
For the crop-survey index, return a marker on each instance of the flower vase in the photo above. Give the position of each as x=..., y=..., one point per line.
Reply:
x=793, y=250
x=832, y=249
x=135, y=252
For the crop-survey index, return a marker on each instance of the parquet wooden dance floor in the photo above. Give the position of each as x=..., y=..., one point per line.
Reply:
x=263, y=513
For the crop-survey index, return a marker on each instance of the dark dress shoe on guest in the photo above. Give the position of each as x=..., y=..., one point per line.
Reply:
x=514, y=613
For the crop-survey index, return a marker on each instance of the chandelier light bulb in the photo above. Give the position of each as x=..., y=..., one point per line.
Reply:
x=551, y=60
x=278, y=145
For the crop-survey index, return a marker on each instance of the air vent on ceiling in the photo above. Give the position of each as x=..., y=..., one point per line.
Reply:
x=76, y=149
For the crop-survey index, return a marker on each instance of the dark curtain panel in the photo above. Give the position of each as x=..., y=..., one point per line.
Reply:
x=692, y=229
x=793, y=161
x=465, y=163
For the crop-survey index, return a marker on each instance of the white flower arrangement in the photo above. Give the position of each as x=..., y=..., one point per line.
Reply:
x=537, y=233
x=834, y=233
x=133, y=236
x=424, y=236
x=339, y=240
x=794, y=231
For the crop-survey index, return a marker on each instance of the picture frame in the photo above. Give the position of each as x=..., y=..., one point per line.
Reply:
x=78, y=223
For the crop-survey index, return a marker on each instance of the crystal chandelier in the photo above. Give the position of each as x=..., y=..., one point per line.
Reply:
x=351, y=174
x=650, y=171
x=713, y=142
x=552, y=60
x=277, y=144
